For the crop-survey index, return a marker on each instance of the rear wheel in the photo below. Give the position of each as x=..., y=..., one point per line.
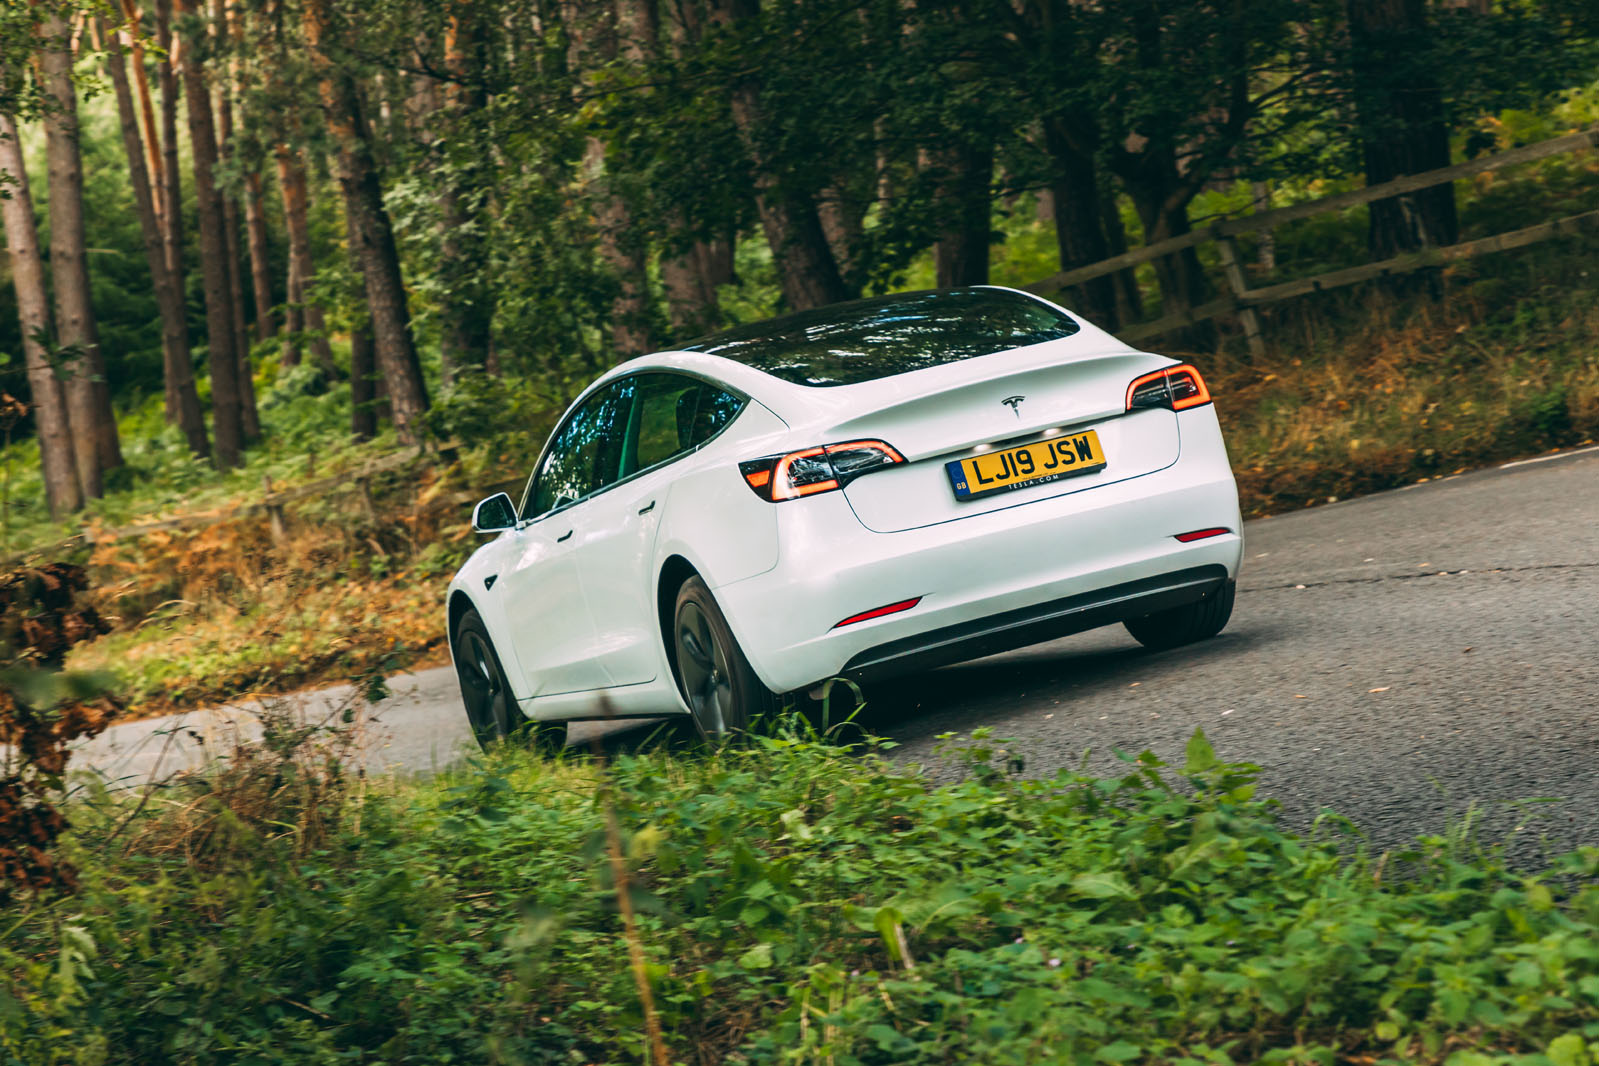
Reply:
x=490, y=706
x=1185, y=624
x=716, y=680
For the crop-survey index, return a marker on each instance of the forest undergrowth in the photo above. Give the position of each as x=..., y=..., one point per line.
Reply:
x=787, y=900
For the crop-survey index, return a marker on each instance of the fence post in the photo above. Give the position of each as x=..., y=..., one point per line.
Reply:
x=274, y=514
x=367, y=503
x=1233, y=271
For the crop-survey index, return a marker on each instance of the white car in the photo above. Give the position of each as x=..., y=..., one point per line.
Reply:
x=859, y=491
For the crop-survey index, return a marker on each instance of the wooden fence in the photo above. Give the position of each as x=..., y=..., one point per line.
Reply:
x=1241, y=300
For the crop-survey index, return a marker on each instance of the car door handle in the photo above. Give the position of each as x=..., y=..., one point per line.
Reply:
x=647, y=508
x=564, y=536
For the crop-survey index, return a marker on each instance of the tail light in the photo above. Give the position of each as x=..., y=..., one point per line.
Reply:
x=1175, y=388
x=811, y=470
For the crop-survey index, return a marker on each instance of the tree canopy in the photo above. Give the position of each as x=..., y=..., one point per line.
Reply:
x=414, y=196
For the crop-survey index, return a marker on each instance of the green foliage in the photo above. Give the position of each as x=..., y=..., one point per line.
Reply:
x=800, y=903
x=500, y=415
x=43, y=710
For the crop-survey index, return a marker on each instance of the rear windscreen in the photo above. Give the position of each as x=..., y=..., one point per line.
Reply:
x=868, y=339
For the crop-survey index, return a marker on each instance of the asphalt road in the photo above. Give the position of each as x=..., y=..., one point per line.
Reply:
x=1401, y=658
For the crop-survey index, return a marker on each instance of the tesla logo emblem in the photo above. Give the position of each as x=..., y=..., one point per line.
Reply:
x=1014, y=403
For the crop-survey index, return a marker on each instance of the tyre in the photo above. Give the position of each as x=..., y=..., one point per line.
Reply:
x=715, y=678
x=490, y=707
x=1185, y=624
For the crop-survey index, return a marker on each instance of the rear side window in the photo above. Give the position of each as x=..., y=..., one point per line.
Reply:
x=664, y=406
x=585, y=454
x=671, y=415
x=887, y=335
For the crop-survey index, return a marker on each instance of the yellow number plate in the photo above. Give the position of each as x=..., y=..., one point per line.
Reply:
x=1031, y=464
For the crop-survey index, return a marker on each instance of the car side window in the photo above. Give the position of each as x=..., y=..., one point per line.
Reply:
x=671, y=415
x=658, y=417
x=585, y=455
x=715, y=410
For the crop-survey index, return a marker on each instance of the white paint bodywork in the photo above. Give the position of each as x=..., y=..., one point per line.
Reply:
x=573, y=609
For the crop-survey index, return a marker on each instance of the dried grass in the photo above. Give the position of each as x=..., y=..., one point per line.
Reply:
x=226, y=612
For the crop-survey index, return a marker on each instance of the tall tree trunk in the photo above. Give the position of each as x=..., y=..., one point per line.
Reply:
x=467, y=313
x=95, y=445
x=691, y=300
x=806, y=269
x=842, y=212
x=176, y=358
x=1161, y=193
x=593, y=41
x=373, y=235
x=1404, y=127
x=691, y=303
x=291, y=185
x=716, y=259
x=63, y=494
x=364, y=381
x=171, y=194
x=293, y=319
x=302, y=313
x=619, y=249
x=141, y=81
x=255, y=226
x=1079, y=229
x=960, y=256
x=1161, y=198
x=1129, y=301
x=364, y=374
x=249, y=417
x=1182, y=279
x=226, y=415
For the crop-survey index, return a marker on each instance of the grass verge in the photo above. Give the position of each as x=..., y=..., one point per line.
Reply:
x=793, y=902
x=1369, y=390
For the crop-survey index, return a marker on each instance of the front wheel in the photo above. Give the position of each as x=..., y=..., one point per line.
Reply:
x=1186, y=624
x=716, y=680
x=490, y=706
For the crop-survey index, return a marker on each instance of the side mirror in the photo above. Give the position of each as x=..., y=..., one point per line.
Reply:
x=494, y=514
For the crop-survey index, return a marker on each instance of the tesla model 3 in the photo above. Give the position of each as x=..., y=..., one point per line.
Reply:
x=859, y=491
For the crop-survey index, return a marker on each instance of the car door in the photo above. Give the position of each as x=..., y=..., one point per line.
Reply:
x=670, y=416
x=552, y=627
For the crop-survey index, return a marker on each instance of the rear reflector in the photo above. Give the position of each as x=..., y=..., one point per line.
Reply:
x=893, y=608
x=1201, y=534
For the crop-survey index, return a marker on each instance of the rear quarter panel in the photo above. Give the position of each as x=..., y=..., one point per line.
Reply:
x=712, y=519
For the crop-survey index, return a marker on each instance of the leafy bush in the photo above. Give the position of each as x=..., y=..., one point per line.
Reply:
x=42, y=711
x=796, y=902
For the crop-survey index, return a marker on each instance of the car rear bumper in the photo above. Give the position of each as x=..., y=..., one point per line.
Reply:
x=987, y=583
x=1034, y=625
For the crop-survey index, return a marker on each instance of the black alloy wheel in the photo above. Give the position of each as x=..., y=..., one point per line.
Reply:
x=717, y=681
x=490, y=707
